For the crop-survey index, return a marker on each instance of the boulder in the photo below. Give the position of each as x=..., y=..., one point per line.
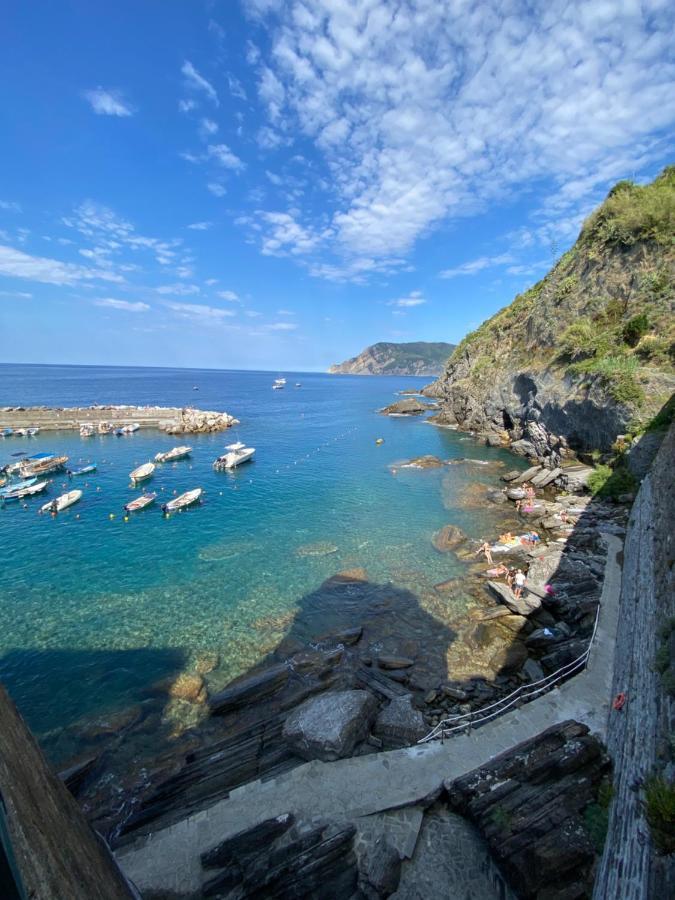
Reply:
x=188, y=686
x=380, y=869
x=524, y=606
x=249, y=689
x=329, y=727
x=512, y=475
x=527, y=475
x=399, y=724
x=533, y=670
x=423, y=462
x=394, y=662
x=495, y=496
x=510, y=659
x=448, y=538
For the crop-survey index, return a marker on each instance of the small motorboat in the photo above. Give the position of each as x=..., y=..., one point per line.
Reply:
x=130, y=428
x=280, y=381
x=183, y=501
x=298, y=384
x=18, y=493
x=277, y=387
x=21, y=432
x=105, y=428
x=61, y=503
x=173, y=455
x=87, y=429
x=31, y=432
x=6, y=432
x=237, y=454
x=85, y=470
x=142, y=472
x=140, y=502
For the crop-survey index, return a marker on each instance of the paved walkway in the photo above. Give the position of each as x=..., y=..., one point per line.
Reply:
x=168, y=860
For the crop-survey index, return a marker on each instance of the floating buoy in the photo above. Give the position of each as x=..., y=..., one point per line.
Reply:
x=77, y=516
x=380, y=441
x=111, y=516
x=126, y=518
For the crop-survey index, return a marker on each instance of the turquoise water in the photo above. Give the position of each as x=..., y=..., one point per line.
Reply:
x=94, y=608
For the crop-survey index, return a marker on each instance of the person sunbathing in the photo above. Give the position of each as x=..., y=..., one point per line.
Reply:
x=506, y=538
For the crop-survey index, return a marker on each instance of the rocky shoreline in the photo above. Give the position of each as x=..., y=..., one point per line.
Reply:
x=380, y=676
x=172, y=420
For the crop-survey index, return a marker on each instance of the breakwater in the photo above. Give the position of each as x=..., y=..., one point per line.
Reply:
x=173, y=420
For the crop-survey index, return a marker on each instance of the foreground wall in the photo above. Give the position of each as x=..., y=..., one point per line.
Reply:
x=56, y=853
x=639, y=735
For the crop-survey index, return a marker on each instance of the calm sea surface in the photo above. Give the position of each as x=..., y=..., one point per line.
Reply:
x=94, y=608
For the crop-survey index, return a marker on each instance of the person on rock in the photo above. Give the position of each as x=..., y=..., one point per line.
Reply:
x=520, y=581
x=485, y=549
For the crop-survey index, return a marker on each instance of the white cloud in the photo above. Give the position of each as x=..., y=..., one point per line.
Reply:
x=207, y=127
x=17, y=264
x=430, y=111
x=178, y=290
x=223, y=155
x=10, y=206
x=197, y=82
x=124, y=305
x=414, y=298
x=18, y=295
x=230, y=296
x=477, y=265
x=200, y=226
x=282, y=326
x=200, y=312
x=186, y=106
x=236, y=88
x=108, y=103
x=218, y=190
x=285, y=312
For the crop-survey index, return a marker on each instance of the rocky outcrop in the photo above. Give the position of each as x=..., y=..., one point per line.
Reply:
x=447, y=538
x=410, y=406
x=417, y=358
x=197, y=421
x=529, y=805
x=572, y=362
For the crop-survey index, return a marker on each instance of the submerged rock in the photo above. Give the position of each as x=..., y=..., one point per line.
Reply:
x=329, y=727
x=320, y=548
x=189, y=686
x=249, y=689
x=448, y=538
x=423, y=462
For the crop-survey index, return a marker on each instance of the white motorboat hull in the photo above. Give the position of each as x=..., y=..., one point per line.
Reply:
x=142, y=473
x=235, y=458
x=62, y=502
x=182, y=502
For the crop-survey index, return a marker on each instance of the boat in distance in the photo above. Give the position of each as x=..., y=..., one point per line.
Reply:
x=61, y=503
x=17, y=486
x=142, y=472
x=141, y=502
x=183, y=501
x=173, y=455
x=237, y=453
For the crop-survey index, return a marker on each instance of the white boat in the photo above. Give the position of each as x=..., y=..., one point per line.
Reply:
x=140, y=502
x=239, y=445
x=184, y=500
x=280, y=381
x=31, y=432
x=129, y=429
x=62, y=502
x=142, y=472
x=22, y=489
x=237, y=455
x=173, y=455
x=86, y=429
x=105, y=428
x=21, y=432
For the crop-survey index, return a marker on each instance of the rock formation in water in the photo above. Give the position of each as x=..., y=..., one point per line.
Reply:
x=416, y=358
x=589, y=351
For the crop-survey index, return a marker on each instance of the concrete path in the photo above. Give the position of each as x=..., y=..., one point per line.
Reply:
x=168, y=860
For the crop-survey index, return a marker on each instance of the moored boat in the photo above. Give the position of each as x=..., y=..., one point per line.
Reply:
x=173, y=455
x=6, y=432
x=31, y=432
x=87, y=429
x=17, y=486
x=141, y=502
x=183, y=501
x=130, y=428
x=142, y=472
x=30, y=491
x=237, y=454
x=85, y=470
x=42, y=466
x=61, y=503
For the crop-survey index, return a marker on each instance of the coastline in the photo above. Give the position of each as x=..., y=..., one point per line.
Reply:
x=173, y=420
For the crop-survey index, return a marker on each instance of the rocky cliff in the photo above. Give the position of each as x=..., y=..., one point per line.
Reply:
x=417, y=358
x=588, y=352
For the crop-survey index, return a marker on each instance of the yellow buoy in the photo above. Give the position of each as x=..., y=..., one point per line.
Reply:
x=380, y=441
x=111, y=516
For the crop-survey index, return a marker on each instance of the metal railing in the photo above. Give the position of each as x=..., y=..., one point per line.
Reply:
x=526, y=692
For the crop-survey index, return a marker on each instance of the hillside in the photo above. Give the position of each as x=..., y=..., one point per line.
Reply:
x=416, y=358
x=586, y=354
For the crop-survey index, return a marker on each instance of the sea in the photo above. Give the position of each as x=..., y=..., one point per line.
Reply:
x=95, y=605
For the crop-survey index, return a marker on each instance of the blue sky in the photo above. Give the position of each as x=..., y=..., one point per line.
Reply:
x=277, y=183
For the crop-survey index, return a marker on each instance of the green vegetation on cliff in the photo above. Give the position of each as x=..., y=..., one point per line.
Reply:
x=599, y=325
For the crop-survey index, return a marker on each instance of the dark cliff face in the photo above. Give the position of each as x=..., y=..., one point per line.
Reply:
x=415, y=358
x=587, y=352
